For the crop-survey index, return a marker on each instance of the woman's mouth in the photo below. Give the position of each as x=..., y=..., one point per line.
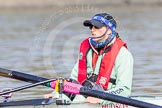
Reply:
x=93, y=34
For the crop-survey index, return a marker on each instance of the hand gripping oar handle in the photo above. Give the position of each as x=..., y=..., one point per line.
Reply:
x=21, y=76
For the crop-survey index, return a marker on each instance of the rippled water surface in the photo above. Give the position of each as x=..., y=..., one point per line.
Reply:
x=46, y=43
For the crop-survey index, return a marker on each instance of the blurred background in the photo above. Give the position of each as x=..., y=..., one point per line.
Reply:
x=42, y=37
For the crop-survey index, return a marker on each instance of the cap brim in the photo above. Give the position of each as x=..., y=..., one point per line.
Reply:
x=88, y=23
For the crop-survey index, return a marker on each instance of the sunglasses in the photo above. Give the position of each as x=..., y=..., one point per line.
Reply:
x=90, y=27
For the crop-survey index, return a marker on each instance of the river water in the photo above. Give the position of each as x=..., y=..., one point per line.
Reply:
x=46, y=42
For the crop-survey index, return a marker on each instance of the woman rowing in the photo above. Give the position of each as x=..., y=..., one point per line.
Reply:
x=104, y=61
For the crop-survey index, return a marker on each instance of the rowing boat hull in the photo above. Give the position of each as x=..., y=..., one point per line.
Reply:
x=50, y=103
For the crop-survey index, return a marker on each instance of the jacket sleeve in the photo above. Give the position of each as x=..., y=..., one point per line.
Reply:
x=123, y=69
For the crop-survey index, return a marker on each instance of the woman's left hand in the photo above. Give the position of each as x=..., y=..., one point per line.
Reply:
x=93, y=100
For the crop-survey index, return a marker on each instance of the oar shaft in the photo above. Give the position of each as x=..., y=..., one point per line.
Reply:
x=21, y=76
x=116, y=98
x=26, y=86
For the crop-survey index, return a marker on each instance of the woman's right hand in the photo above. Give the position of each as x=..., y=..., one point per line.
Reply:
x=49, y=95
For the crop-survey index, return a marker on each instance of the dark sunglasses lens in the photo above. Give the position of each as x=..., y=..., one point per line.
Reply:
x=96, y=27
x=90, y=27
